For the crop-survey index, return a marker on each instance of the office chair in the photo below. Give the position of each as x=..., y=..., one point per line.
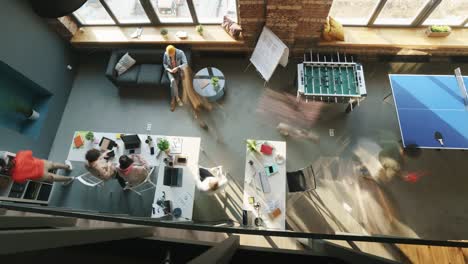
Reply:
x=144, y=186
x=301, y=180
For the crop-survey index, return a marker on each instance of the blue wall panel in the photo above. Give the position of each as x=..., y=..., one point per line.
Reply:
x=30, y=47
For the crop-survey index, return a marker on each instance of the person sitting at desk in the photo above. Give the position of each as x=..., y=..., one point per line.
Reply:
x=209, y=183
x=173, y=60
x=98, y=165
x=26, y=167
x=133, y=169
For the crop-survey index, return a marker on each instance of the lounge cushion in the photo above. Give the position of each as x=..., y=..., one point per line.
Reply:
x=231, y=27
x=150, y=74
x=333, y=30
x=148, y=56
x=125, y=63
x=165, y=80
x=130, y=76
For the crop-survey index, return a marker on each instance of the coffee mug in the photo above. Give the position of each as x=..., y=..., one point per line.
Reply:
x=177, y=212
x=258, y=221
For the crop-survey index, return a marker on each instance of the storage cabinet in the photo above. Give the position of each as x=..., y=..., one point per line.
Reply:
x=29, y=192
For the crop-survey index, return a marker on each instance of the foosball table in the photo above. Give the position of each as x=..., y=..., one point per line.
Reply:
x=335, y=79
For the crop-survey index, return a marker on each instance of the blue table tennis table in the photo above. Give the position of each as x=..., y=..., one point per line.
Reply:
x=427, y=104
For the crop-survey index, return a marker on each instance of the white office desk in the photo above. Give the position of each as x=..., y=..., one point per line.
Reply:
x=181, y=197
x=277, y=183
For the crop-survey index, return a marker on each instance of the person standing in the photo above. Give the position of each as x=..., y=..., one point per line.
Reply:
x=174, y=60
x=27, y=167
x=133, y=169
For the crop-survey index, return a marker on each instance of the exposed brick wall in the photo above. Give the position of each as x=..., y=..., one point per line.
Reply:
x=313, y=17
x=296, y=22
x=251, y=18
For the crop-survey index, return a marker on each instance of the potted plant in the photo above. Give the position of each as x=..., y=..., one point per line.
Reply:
x=89, y=136
x=163, y=145
x=199, y=29
x=26, y=110
x=252, y=146
x=164, y=33
x=215, y=82
x=438, y=31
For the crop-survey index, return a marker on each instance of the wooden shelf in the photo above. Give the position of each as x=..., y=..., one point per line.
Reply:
x=213, y=35
x=410, y=38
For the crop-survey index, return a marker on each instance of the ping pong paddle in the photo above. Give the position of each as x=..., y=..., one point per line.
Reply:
x=438, y=137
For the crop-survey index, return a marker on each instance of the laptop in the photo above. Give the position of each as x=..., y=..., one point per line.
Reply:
x=173, y=177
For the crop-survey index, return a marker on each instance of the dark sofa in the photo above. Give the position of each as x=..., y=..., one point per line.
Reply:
x=148, y=70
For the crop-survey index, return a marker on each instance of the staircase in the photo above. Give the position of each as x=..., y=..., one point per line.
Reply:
x=27, y=237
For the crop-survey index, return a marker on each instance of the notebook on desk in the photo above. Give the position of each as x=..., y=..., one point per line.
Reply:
x=263, y=182
x=173, y=177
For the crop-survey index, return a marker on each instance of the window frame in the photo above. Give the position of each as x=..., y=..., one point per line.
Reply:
x=116, y=19
x=152, y=16
x=192, y=14
x=460, y=25
x=80, y=23
x=418, y=20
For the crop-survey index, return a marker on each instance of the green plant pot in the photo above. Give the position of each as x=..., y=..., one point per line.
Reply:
x=431, y=33
x=199, y=30
x=89, y=136
x=163, y=145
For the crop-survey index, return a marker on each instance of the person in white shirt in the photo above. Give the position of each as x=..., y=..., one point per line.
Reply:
x=211, y=181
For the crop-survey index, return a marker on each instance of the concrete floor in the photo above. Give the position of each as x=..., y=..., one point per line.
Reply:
x=432, y=208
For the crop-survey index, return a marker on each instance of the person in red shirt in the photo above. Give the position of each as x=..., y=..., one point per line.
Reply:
x=26, y=167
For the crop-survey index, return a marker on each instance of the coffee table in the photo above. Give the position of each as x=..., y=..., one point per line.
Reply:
x=203, y=86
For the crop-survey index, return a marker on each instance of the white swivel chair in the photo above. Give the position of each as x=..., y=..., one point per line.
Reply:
x=90, y=180
x=144, y=186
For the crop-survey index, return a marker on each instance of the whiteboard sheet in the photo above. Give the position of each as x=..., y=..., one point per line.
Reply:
x=268, y=53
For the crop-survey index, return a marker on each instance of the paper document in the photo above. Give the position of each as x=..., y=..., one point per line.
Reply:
x=268, y=53
x=176, y=145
